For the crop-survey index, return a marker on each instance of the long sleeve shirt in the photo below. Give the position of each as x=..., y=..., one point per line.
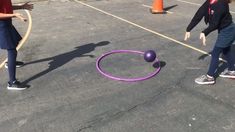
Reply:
x=216, y=14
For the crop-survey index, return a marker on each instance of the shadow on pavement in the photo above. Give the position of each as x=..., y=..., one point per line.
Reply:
x=60, y=60
x=159, y=64
x=170, y=7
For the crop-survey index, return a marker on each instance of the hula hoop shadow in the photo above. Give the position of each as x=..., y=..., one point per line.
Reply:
x=125, y=79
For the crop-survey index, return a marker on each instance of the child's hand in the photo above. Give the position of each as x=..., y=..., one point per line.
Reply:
x=20, y=16
x=203, y=38
x=27, y=6
x=187, y=36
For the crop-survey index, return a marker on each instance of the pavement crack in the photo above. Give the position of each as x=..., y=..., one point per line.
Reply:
x=113, y=114
x=210, y=98
x=84, y=128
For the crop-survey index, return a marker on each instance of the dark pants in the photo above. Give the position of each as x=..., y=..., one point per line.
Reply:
x=215, y=59
x=12, y=54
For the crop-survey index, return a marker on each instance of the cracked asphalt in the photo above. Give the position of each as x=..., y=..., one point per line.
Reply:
x=68, y=94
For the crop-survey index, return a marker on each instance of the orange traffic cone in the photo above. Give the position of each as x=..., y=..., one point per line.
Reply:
x=157, y=7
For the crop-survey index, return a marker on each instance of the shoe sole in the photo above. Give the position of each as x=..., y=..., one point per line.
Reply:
x=205, y=83
x=16, y=89
x=230, y=77
x=17, y=66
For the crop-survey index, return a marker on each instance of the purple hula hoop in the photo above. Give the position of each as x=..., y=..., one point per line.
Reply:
x=124, y=79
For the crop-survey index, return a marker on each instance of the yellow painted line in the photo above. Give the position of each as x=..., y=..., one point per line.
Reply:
x=151, y=7
x=22, y=42
x=146, y=29
x=197, y=4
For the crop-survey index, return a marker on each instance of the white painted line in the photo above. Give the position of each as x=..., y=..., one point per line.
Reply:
x=189, y=2
x=146, y=29
x=151, y=7
x=197, y=4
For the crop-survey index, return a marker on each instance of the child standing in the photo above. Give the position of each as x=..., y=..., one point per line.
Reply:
x=217, y=14
x=9, y=38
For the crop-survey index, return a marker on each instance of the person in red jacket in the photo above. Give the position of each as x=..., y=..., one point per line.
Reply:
x=216, y=13
x=9, y=38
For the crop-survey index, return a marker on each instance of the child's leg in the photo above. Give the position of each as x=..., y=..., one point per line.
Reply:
x=230, y=58
x=12, y=53
x=214, y=61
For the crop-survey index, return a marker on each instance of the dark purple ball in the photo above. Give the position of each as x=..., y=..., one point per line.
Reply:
x=149, y=56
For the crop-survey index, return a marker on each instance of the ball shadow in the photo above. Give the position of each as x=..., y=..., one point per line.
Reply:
x=158, y=64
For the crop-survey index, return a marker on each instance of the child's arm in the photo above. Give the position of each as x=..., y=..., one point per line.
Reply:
x=196, y=19
x=2, y=15
x=26, y=6
x=18, y=15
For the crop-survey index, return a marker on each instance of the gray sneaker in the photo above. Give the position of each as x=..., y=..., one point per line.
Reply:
x=228, y=74
x=205, y=80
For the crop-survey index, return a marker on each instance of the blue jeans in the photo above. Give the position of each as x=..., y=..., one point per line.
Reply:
x=215, y=59
x=12, y=54
x=226, y=36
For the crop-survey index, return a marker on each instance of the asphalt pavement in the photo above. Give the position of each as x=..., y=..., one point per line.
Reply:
x=67, y=94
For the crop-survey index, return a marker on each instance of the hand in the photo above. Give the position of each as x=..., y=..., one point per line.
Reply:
x=187, y=36
x=27, y=6
x=20, y=16
x=203, y=38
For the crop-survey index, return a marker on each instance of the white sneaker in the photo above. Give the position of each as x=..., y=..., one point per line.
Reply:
x=204, y=79
x=228, y=74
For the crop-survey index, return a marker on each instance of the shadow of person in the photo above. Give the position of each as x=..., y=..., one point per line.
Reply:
x=202, y=57
x=61, y=59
